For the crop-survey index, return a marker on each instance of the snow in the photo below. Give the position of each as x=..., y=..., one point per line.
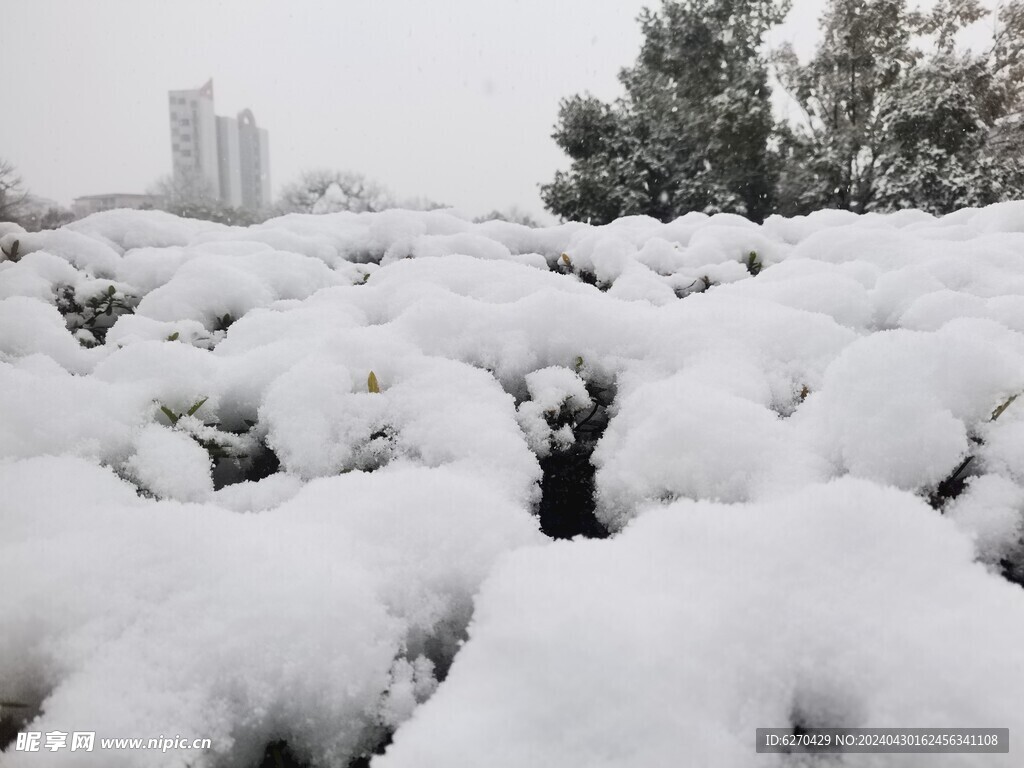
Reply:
x=94, y=255
x=672, y=642
x=29, y=326
x=899, y=406
x=675, y=438
x=36, y=275
x=991, y=511
x=264, y=496
x=171, y=465
x=553, y=391
x=142, y=229
x=243, y=628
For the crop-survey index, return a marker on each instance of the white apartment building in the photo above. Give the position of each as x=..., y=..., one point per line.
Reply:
x=228, y=156
x=254, y=155
x=194, y=137
x=228, y=163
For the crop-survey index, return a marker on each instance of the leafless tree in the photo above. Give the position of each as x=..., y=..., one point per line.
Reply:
x=13, y=194
x=183, y=189
x=327, y=191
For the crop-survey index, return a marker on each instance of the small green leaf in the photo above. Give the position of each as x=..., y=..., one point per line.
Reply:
x=173, y=336
x=371, y=383
x=999, y=411
x=196, y=406
x=111, y=290
x=171, y=415
x=223, y=322
x=566, y=260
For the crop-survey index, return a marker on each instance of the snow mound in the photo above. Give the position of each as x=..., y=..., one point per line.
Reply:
x=254, y=477
x=208, y=637
x=678, y=439
x=669, y=644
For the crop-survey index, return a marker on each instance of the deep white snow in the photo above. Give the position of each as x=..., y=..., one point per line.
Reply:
x=785, y=549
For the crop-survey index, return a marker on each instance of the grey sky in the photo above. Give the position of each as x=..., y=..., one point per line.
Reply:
x=452, y=100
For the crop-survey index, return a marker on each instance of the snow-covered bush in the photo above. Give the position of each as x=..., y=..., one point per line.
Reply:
x=847, y=604
x=252, y=480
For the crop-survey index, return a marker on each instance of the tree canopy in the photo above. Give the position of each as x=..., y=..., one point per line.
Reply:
x=13, y=194
x=323, y=190
x=891, y=114
x=692, y=131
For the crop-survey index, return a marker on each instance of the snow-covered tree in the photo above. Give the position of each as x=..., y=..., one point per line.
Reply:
x=936, y=133
x=692, y=132
x=513, y=214
x=12, y=192
x=952, y=141
x=190, y=195
x=39, y=213
x=831, y=154
x=328, y=191
x=895, y=116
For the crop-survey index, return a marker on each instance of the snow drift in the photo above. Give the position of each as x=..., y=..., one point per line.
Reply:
x=281, y=483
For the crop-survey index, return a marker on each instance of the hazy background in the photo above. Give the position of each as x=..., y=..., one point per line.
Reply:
x=452, y=100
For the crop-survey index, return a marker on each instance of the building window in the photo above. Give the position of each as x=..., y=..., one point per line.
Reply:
x=186, y=153
x=175, y=146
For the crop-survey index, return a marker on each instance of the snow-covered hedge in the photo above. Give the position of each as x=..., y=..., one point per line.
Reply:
x=269, y=484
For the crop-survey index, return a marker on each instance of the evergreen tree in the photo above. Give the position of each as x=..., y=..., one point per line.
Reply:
x=943, y=152
x=693, y=130
x=936, y=134
x=831, y=155
x=889, y=124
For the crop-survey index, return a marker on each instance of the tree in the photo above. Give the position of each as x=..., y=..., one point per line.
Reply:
x=693, y=131
x=327, y=191
x=30, y=212
x=935, y=156
x=511, y=214
x=13, y=194
x=831, y=156
x=190, y=195
x=603, y=182
x=39, y=214
x=888, y=124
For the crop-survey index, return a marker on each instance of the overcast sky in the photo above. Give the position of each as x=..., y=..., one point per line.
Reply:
x=453, y=100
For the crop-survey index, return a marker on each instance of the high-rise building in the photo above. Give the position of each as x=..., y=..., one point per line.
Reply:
x=254, y=155
x=194, y=138
x=226, y=157
x=228, y=161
